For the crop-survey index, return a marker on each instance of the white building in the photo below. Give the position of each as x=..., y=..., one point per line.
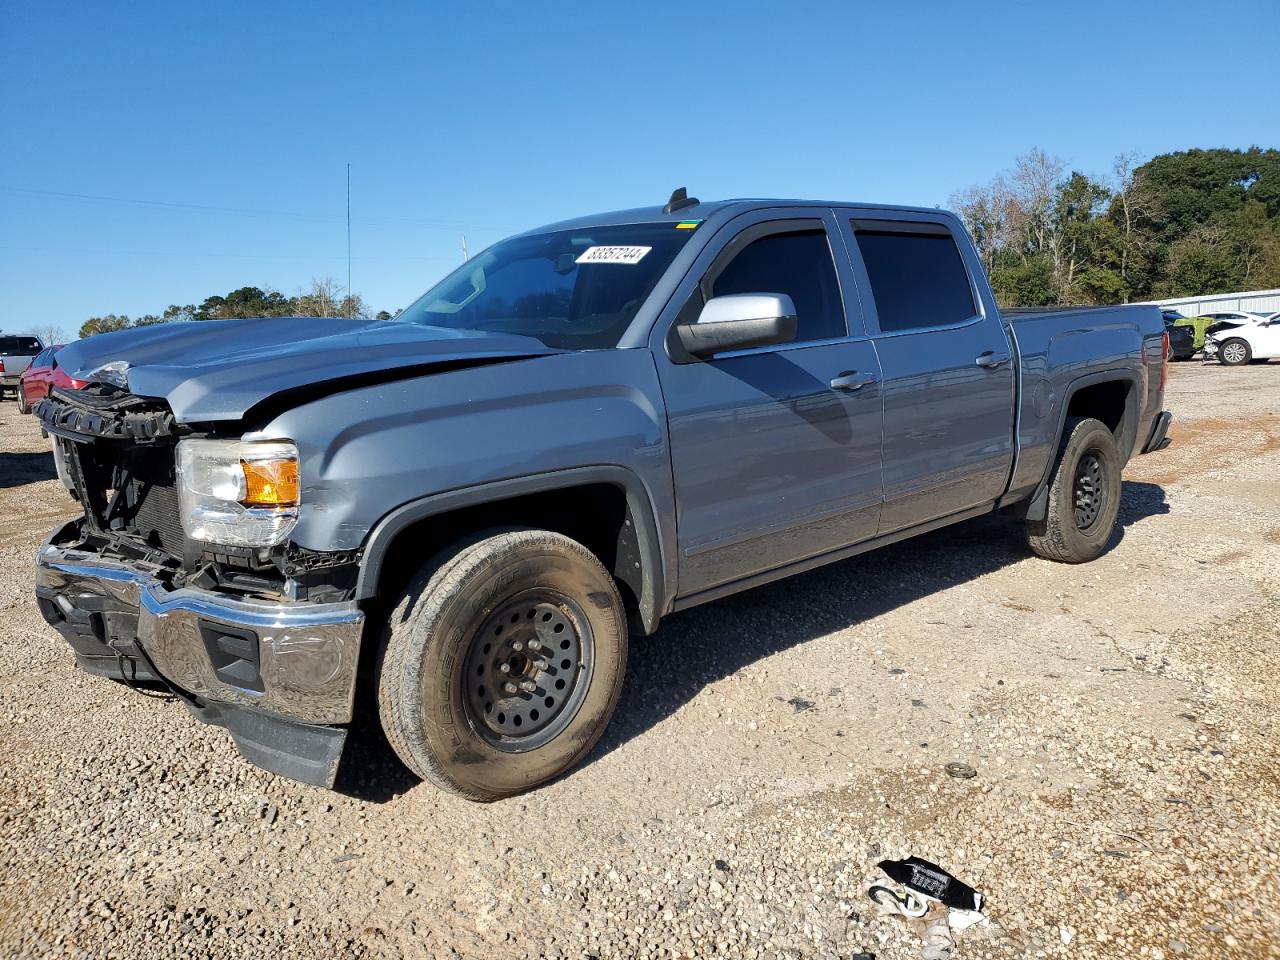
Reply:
x=1252, y=301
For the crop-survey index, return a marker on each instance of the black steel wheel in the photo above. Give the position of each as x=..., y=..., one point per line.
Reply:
x=1083, y=499
x=529, y=669
x=1089, y=490
x=502, y=663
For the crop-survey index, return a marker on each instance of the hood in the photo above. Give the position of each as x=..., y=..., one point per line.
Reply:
x=219, y=369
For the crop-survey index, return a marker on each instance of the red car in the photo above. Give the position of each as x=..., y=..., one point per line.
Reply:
x=43, y=374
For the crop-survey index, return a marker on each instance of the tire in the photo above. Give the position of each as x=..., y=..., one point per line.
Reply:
x=23, y=406
x=484, y=604
x=1088, y=470
x=1234, y=352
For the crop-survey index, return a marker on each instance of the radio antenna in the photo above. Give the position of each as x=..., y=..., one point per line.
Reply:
x=351, y=303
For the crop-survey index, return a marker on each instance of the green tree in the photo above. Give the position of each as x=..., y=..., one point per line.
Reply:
x=1192, y=222
x=1023, y=281
x=1235, y=251
x=242, y=303
x=108, y=324
x=1078, y=241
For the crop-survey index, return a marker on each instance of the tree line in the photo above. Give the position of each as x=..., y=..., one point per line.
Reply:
x=1190, y=223
x=325, y=298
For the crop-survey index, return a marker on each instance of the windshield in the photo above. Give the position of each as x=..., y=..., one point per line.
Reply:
x=572, y=289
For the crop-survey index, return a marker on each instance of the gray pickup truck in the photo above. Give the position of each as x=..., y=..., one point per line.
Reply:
x=463, y=514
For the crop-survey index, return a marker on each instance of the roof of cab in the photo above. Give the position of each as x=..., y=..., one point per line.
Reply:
x=707, y=209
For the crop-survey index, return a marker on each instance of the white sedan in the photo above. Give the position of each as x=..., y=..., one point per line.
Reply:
x=1236, y=339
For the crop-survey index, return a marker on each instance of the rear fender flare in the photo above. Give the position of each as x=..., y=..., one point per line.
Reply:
x=1125, y=439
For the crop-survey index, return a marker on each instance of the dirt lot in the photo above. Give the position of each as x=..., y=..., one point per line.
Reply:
x=768, y=751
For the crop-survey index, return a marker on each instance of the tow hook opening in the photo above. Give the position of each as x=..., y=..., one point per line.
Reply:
x=234, y=653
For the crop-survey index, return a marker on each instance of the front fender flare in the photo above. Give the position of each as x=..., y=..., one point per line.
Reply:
x=652, y=599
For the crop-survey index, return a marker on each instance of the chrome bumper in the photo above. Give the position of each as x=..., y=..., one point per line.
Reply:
x=299, y=659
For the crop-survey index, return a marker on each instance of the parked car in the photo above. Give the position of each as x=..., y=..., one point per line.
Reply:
x=1235, y=339
x=16, y=354
x=1182, y=343
x=41, y=376
x=1198, y=326
x=1234, y=316
x=579, y=431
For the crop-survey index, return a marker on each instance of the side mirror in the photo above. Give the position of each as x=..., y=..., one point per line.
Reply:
x=739, y=321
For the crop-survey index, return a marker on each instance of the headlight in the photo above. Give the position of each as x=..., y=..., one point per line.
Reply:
x=238, y=492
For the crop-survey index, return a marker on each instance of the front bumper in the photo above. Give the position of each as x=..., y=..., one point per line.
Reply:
x=277, y=675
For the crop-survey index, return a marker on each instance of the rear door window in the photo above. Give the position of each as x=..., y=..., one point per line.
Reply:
x=917, y=278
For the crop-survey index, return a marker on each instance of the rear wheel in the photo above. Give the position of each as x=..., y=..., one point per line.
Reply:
x=1084, y=495
x=502, y=664
x=1235, y=352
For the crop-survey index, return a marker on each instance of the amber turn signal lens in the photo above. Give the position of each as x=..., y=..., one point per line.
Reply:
x=270, y=483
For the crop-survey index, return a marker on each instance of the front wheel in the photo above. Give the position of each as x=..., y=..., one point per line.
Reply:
x=1084, y=495
x=1235, y=352
x=503, y=663
x=23, y=406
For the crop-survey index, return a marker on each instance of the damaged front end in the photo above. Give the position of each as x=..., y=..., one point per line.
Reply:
x=263, y=641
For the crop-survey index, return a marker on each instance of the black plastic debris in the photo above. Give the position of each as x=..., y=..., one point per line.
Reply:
x=931, y=881
x=961, y=771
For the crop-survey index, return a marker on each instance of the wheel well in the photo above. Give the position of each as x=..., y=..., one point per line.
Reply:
x=1114, y=403
x=597, y=515
x=1102, y=401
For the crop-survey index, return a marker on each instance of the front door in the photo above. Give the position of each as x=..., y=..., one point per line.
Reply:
x=775, y=450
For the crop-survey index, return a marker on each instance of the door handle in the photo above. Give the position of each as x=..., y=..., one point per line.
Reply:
x=852, y=380
x=991, y=359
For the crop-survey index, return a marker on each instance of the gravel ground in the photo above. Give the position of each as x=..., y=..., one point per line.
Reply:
x=768, y=751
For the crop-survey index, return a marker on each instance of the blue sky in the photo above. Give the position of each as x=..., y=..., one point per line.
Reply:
x=235, y=123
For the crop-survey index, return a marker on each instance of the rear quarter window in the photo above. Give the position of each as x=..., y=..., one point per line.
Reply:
x=917, y=279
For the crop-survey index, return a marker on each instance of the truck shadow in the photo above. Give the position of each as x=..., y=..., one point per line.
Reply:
x=19, y=469
x=700, y=646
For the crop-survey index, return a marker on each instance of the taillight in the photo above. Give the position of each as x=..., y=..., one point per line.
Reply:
x=1164, y=362
x=1, y=366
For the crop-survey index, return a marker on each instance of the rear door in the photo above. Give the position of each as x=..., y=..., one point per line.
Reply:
x=946, y=362
x=775, y=450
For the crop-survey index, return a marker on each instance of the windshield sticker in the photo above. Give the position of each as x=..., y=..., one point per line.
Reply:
x=688, y=224
x=631, y=255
